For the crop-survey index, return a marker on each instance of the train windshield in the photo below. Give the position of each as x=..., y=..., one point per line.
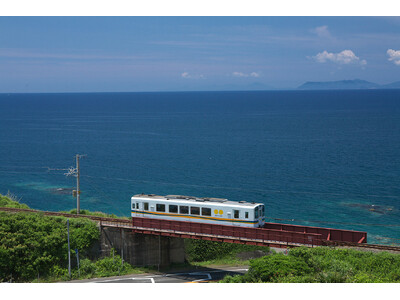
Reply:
x=259, y=211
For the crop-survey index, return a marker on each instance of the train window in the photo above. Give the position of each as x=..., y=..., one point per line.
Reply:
x=146, y=206
x=246, y=214
x=236, y=214
x=256, y=213
x=184, y=210
x=137, y=205
x=205, y=211
x=194, y=210
x=160, y=207
x=133, y=205
x=262, y=210
x=173, y=208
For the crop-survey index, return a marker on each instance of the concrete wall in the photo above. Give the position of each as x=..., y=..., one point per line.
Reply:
x=141, y=249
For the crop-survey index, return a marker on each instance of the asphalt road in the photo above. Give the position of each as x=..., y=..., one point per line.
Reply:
x=205, y=275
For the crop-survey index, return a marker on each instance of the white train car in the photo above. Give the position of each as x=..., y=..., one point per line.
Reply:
x=202, y=210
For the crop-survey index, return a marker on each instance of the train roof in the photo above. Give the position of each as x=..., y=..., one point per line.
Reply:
x=219, y=201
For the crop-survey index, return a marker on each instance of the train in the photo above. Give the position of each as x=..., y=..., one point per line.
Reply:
x=198, y=209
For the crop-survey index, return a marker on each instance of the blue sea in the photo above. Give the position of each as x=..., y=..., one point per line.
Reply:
x=317, y=158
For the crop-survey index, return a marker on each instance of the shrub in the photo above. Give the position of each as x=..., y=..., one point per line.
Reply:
x=87, y=267
x=233, y=279
x=271, y=268
x=324, y=264
x=202, y=250
x=112, y=266
x=32, y=244
x=12, y=201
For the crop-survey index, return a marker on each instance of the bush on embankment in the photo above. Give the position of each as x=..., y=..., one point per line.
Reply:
x=32, y=244
x=11, y=201
x=202, y=250
x=34, y=247
x=323, y=265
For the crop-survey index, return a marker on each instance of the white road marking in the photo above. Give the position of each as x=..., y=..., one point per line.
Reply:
x=203, y=279
x=151, y=277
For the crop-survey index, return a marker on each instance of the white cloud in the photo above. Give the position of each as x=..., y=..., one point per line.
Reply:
x=322, y=31
x=345, y=57
x=185, y=75
x=191, y=76
x=394, y=56
x=240, y=74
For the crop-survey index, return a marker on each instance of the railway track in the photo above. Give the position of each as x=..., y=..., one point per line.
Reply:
x=121, y=222
x=67, y=215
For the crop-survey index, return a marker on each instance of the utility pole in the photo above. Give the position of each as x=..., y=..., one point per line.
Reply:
x=69, y=252
x=76, y=172
x=78, y=191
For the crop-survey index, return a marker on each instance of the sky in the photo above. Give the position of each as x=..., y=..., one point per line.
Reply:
x=129, y=54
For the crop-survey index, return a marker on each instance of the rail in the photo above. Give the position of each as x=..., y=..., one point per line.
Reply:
x=234, y=233
x=67, y=215
x=206, y=236
x=259, y=236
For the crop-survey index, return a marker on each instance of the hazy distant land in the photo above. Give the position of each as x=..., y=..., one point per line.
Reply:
x=347, y=85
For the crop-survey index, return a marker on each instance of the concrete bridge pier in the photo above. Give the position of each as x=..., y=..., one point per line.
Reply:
x=142, y=249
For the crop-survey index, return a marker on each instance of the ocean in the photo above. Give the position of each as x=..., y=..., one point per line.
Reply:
x=317, y=158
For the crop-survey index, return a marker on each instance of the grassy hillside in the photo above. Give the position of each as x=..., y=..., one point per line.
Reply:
x=34, y=247
x=205, y=253
x=11, y=201
x=323, y=265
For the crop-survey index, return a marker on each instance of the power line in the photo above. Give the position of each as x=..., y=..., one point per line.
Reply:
x=255, y=190
x=71, y=170
x=333, y=222
x=106, y=196
x=243, y=189
x=21, y=172
x=31, y=167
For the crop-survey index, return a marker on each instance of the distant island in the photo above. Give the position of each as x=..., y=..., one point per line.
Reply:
x=347, y=85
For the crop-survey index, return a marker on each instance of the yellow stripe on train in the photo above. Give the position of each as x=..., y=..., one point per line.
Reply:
x=193, y=217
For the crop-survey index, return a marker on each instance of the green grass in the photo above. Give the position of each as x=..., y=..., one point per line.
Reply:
x=104, y=267
x=323, y=265
x=33, y=247
x=227, y=261
x=11, y=201
x=92, y=213
x=208, y=253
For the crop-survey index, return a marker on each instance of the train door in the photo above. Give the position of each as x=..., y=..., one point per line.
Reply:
x=236, y=216
x=229, y=215
x=261, y=217
x=139, y=209
x=133, y=208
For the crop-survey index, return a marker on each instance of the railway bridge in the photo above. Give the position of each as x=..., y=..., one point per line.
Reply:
x=146, y=241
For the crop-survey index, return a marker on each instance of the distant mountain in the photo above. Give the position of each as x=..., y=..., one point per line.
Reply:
x=339, y=85
x=393, y=85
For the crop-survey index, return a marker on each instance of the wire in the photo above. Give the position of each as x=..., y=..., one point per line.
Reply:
x=245, y=190
x=197, y=186
x=31, y=167
x=219, y=187
x=326, y=222
x=21, y=172
x=106, y=196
